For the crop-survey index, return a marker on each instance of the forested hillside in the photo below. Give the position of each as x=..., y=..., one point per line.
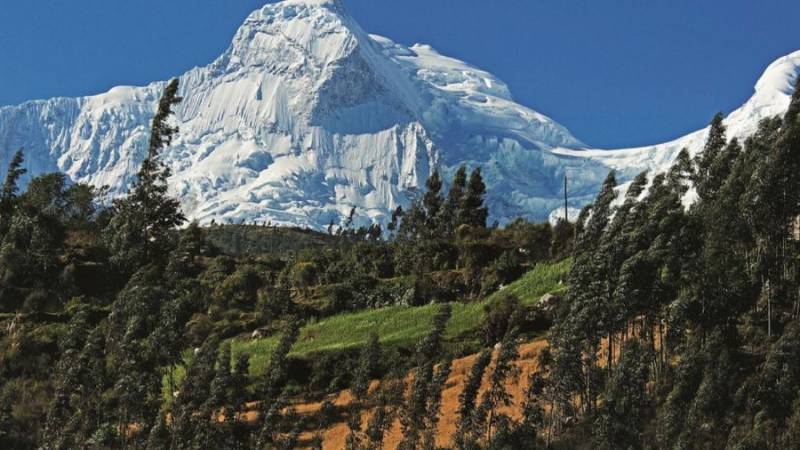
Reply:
x=124, y=326
x=680, y=329
x=667, y=318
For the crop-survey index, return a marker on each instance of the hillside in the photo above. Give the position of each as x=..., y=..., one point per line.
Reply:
x=241, y=240
x=402, y=326
x=437, y=314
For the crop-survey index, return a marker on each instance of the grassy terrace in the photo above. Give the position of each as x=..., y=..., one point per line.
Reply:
x=400, y=325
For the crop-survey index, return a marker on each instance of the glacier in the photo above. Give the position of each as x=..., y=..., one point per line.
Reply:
x=306, y=116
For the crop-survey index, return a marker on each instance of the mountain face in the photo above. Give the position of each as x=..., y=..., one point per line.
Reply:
x=773, y=92
x=306, y=116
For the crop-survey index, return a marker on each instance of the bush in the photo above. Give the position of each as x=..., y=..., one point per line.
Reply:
x=274, y=303
x=198, y=328
x=502, y=315
x=304, y=275
x=332, y=371
x=240, y=289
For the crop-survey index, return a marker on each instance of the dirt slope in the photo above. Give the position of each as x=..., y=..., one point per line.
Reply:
x=334, y=437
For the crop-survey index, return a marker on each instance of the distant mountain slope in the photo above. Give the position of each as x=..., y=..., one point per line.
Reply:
x=306, y=116
x=773, y=91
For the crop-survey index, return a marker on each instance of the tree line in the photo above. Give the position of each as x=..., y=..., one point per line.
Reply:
x=680, y=327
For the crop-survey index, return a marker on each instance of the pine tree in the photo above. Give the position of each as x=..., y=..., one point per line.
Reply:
x=144, y=221
x=167, y=338
x=601, y=214
x=783, y=202
x=682, y=171
x=587, y=316
x=368, y=367
x=59, y=428
x=221, y=386
x=10, y=189
x=159, y=437
x=722, y=166
x=95, y=382
x=715, y=142
x=455, y=197
x=432, y=202
x=472, y=211
x=192, y=412
x=354, y=441
x=533, y=413
x=183, y=262
x=382, y=417
x=239, y=381
x=134, y=356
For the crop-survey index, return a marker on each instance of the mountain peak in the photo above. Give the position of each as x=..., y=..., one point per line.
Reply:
x=306, y=116
x=780, y=76
x=307, y=3
x=295, y=33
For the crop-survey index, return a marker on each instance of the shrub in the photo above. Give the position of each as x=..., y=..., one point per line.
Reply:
x=502, y=315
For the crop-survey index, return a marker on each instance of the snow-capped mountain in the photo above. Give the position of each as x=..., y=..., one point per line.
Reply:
x=773, y=91
x=306, y=116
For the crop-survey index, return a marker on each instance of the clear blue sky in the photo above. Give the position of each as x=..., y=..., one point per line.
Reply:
x=616, y=72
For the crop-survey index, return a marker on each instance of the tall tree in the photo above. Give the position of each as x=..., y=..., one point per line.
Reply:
x=621, y=419
x=10, y=189
x=142, y=228
x=413, y=419
x=368, y=366
x=455, y=196
x=272, y=400
x=432, y=201
x=466, y=432
x=472, y=211
x=497, y=396
x=134, y=354
x=715, y=142
x=438, y=383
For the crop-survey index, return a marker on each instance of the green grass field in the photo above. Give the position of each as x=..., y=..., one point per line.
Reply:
x=400, y=325
x=397, y=326
x=542, y=279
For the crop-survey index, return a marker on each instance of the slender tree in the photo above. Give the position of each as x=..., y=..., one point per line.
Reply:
x=455, y=197
x=143, y=225
x=428, y=351
x=466, y=435
x=472, y=211
x=497, y=396
x=8, y=194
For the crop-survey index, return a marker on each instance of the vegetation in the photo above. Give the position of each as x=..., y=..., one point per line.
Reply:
x=125, y=327
x=679, y=329
x=668, y=326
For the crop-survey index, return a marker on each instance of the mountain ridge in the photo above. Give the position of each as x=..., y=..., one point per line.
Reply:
x=306, y=116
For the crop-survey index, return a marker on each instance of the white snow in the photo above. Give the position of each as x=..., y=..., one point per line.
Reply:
x=773, y=92
x=306, y=115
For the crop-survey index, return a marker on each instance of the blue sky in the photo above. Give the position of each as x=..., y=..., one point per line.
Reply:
x=615, y=72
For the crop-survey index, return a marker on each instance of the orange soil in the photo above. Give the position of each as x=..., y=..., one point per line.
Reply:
x=334, y=437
